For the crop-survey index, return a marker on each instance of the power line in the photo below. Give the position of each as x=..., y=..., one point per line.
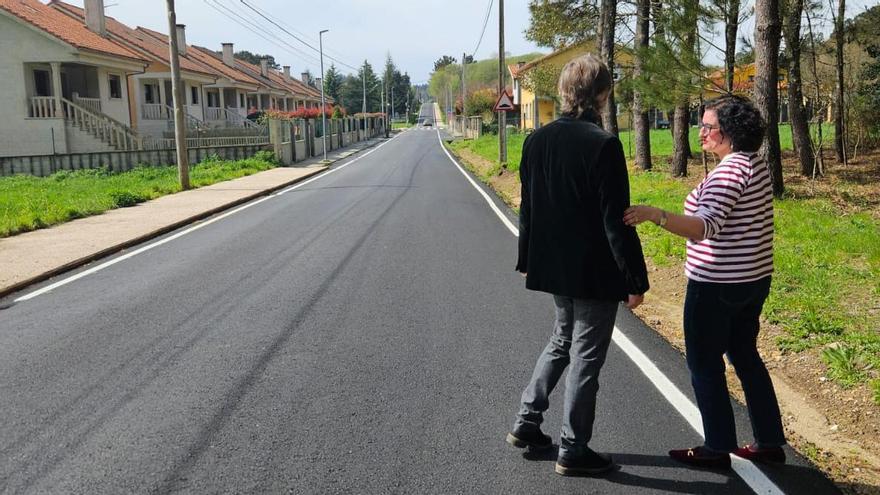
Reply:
x=289, y=48
x=311, y=40
x=485, y=23
x=295, y=36
x=262, y=29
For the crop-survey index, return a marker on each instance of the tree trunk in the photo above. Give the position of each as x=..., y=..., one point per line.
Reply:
x=800, y=127
x=839, y=103
x=680, y=142
x=767, y=32
x=641, y=129
x=607, y=18
x=681, y=127
x=731, y=25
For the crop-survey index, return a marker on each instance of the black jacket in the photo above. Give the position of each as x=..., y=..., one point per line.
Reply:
x=572, y=239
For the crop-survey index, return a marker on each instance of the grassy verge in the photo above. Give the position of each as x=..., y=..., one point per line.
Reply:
x=827, y=282
x=400, y=125
x=661, y=143
x=30, y=203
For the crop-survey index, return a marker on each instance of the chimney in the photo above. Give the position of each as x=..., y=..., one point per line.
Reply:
x=287, y=72
x=181, y=39
x=305, y=77
x=318, y=82
x=95, y=16
x=228, y=57
x=520, y=64
x=264, y=67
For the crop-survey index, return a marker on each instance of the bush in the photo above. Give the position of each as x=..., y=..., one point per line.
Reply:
x=122, y=199
x=266, y=156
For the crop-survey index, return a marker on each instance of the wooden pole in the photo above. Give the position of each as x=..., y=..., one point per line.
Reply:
x=502, y=116
x=177, y=90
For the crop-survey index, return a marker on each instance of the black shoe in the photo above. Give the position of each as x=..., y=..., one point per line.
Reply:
x=592, y=463
x=534, y=439
x=702, y=457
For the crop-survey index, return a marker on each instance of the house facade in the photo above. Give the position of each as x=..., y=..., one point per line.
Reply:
x=64, y=85
x=77, y=81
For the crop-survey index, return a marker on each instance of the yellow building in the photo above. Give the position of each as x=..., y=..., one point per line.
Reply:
x=743, y=82
x=538, y=110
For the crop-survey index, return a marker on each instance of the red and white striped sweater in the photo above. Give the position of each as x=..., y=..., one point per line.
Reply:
x=735, y=202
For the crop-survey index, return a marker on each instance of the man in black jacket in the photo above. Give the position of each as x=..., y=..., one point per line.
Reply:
x=574, y=244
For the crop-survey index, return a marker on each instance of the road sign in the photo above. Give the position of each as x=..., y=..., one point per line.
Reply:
x=504, y=104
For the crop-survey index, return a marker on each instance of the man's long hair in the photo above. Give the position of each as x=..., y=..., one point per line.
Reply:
x=581, y=82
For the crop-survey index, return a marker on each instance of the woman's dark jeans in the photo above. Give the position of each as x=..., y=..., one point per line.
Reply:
x=723, y=318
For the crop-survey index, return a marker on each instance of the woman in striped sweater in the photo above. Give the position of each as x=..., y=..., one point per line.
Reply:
x=728, y=224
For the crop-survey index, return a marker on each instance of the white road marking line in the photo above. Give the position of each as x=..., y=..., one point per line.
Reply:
x=750, y=474
x=507, y=223
x=148, y=247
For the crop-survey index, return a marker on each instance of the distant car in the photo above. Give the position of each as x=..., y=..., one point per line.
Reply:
x=428, y=123
x=661, y=124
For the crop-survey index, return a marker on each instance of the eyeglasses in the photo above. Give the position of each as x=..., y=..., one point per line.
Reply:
x=708, y=127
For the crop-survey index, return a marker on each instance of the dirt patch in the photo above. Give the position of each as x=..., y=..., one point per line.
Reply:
x=838, y=429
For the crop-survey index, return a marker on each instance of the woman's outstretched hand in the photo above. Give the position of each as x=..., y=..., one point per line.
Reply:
x=637, y=214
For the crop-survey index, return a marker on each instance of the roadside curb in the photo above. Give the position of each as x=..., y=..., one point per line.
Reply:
x=5, y=291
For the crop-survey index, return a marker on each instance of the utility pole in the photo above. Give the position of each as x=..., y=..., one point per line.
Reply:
x=502, y=116
x=177, y=90
x=323, y=104
x=463, y=62
x=384, y=109
x=364, y=110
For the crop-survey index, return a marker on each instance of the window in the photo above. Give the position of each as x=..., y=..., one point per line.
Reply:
x=194, y=94
x=151, y=93
x=115, y=86
x=41, y=83
x=241, y=101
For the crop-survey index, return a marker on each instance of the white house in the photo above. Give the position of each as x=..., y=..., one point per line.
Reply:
x=64, y=83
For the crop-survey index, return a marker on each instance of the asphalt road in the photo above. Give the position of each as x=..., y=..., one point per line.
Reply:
x=362, y=333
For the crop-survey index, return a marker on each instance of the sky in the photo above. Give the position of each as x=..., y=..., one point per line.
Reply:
x=414, y=32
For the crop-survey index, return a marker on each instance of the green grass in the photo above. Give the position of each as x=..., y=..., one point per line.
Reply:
x=826, y=285
x=400, y=125
x=661, y=143
x=487, y=147
x=30, y=203
x=661, y=140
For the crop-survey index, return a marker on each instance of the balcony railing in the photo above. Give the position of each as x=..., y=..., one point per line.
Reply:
x=215, y=113
x=93, y=104
x=43, y=107
x=155, y=111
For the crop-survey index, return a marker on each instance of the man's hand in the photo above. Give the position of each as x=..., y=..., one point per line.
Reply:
x=634, y=300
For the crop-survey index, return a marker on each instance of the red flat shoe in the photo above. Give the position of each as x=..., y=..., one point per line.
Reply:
x=771, y=455
x=700, y=457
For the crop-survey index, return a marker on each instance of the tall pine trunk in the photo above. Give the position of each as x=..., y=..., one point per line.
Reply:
x=839, y=102
x=680, y=143
x=681, y=125
x=767, y=33
x=607, y=18
x=641, y=128
x=800, y=126
x=731, y=25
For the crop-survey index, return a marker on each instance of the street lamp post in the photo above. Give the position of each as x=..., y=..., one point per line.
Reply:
x=323, y=105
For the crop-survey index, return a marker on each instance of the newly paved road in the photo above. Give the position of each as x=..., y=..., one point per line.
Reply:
x=362, y=333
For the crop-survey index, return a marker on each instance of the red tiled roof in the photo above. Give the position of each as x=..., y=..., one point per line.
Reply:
x=211, y=59
x=277, y=80
x=65, y=28
x=150, y=46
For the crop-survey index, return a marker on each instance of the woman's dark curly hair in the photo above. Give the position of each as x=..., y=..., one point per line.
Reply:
x=740, y=121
